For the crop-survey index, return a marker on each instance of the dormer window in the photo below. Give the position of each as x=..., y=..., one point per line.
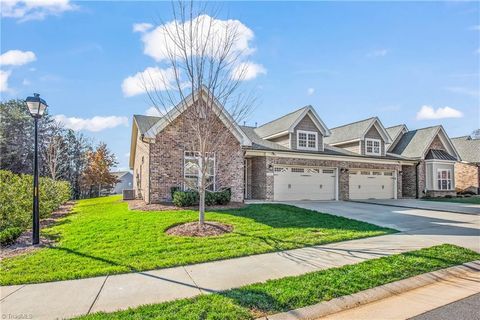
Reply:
x=307, y=140
x=373, y=147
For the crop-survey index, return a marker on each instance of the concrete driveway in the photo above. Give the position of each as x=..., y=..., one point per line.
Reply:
x=439, y=226
x=429, y=205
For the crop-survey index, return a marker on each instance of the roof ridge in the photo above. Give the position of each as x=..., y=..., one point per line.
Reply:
x=283, y=116
x=358, y=121
x=429, y=127
x=398, y=125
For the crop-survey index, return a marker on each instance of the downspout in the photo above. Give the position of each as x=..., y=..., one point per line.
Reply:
x=416, y=180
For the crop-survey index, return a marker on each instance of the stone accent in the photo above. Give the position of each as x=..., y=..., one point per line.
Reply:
x=467, y=177
x=141, y=172
x=306, y=124
x=167, y=157
x=262, y=181
x=408, y=182
x=440, y=193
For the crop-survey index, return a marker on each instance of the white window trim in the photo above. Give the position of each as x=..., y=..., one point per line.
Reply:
x=373, y=147
x=437, y=180
x=199, y=173
x=307, y=133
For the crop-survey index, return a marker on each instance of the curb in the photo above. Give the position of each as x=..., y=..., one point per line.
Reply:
x=336, y=305
x=412, y=207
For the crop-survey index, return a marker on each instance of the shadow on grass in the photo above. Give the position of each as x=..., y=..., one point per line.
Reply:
x=287, y=216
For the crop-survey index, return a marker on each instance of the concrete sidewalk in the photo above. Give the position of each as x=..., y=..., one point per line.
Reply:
x=418, y=301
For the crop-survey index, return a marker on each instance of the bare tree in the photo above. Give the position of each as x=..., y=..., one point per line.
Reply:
x=54, y=151
x=206, y=66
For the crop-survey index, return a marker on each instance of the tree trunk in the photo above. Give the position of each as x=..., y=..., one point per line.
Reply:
x=201, y=208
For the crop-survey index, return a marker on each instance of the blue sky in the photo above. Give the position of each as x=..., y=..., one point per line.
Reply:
x=350, y=60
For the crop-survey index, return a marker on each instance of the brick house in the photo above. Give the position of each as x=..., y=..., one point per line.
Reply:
x=467, y=171
x=296, y=157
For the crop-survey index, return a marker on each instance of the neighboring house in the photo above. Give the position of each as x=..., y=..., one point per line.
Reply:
x=295, y=157
x=434, y=173
x=125, y=181
x=467, y=171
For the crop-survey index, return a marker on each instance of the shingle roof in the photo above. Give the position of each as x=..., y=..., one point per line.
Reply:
x=394, y=131
x=467, y=148
x=279, y=125
x=119, y=174
x=439, y=155
x=351, y=131
x=145, y=122
x=415, y=142
x=261, y=144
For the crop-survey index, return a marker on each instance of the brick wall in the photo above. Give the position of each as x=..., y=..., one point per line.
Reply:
x=467, y=176
x=408, y=182
x=167, y=156
x=263, y=184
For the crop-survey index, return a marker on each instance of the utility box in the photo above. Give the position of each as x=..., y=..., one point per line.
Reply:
x=128, y=194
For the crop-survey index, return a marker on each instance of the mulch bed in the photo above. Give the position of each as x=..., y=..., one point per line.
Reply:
x=193, y=229
x=23, y=244
x=168, y=206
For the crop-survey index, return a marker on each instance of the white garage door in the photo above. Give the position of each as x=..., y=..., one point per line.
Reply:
x=367, y=184
x=304, y=183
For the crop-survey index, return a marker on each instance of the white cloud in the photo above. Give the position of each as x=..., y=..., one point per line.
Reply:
x=4, y=75
x=310, y=91
x=152, y=78
x=152, y=111
x=94, y=124
x=26, y=82
x=378, y=53
x=17, y=58
x=475, y=28
x=429, y=113
x=142, y=27
x=208, y=32
x=464, y=91
x=247, y=71
x=25, y=10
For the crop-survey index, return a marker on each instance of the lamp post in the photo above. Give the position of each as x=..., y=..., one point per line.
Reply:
x=36, y=107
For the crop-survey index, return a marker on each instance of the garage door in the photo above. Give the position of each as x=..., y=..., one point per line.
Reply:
x=367, y=184
x=304, y=183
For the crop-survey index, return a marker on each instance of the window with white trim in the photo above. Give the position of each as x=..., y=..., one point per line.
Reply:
x=444, y=179
x=192, y=170
x=307, y=140
x=373, y=147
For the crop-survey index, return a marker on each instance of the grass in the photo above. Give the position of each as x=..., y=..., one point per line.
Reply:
x=469, y=200
x=103, y=237
x=289, y=293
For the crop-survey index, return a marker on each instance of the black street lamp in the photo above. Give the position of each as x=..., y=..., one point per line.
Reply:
x=36, y=107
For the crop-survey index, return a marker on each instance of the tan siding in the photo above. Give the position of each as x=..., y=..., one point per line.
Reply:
x=141, y=172
x=308, y=125
x=467, y=177
x=352, y=146
x=373, y=134
x=283, y=140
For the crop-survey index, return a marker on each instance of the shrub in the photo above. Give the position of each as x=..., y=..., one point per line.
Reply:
x=16, y=198
x=9, y=235
x=185, y=198
x=191, y=198
x=173, y=190
x=448, y=196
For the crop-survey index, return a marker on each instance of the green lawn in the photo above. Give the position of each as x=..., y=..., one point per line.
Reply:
x=103, y=237
x=289, y=293
x=470, y=200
